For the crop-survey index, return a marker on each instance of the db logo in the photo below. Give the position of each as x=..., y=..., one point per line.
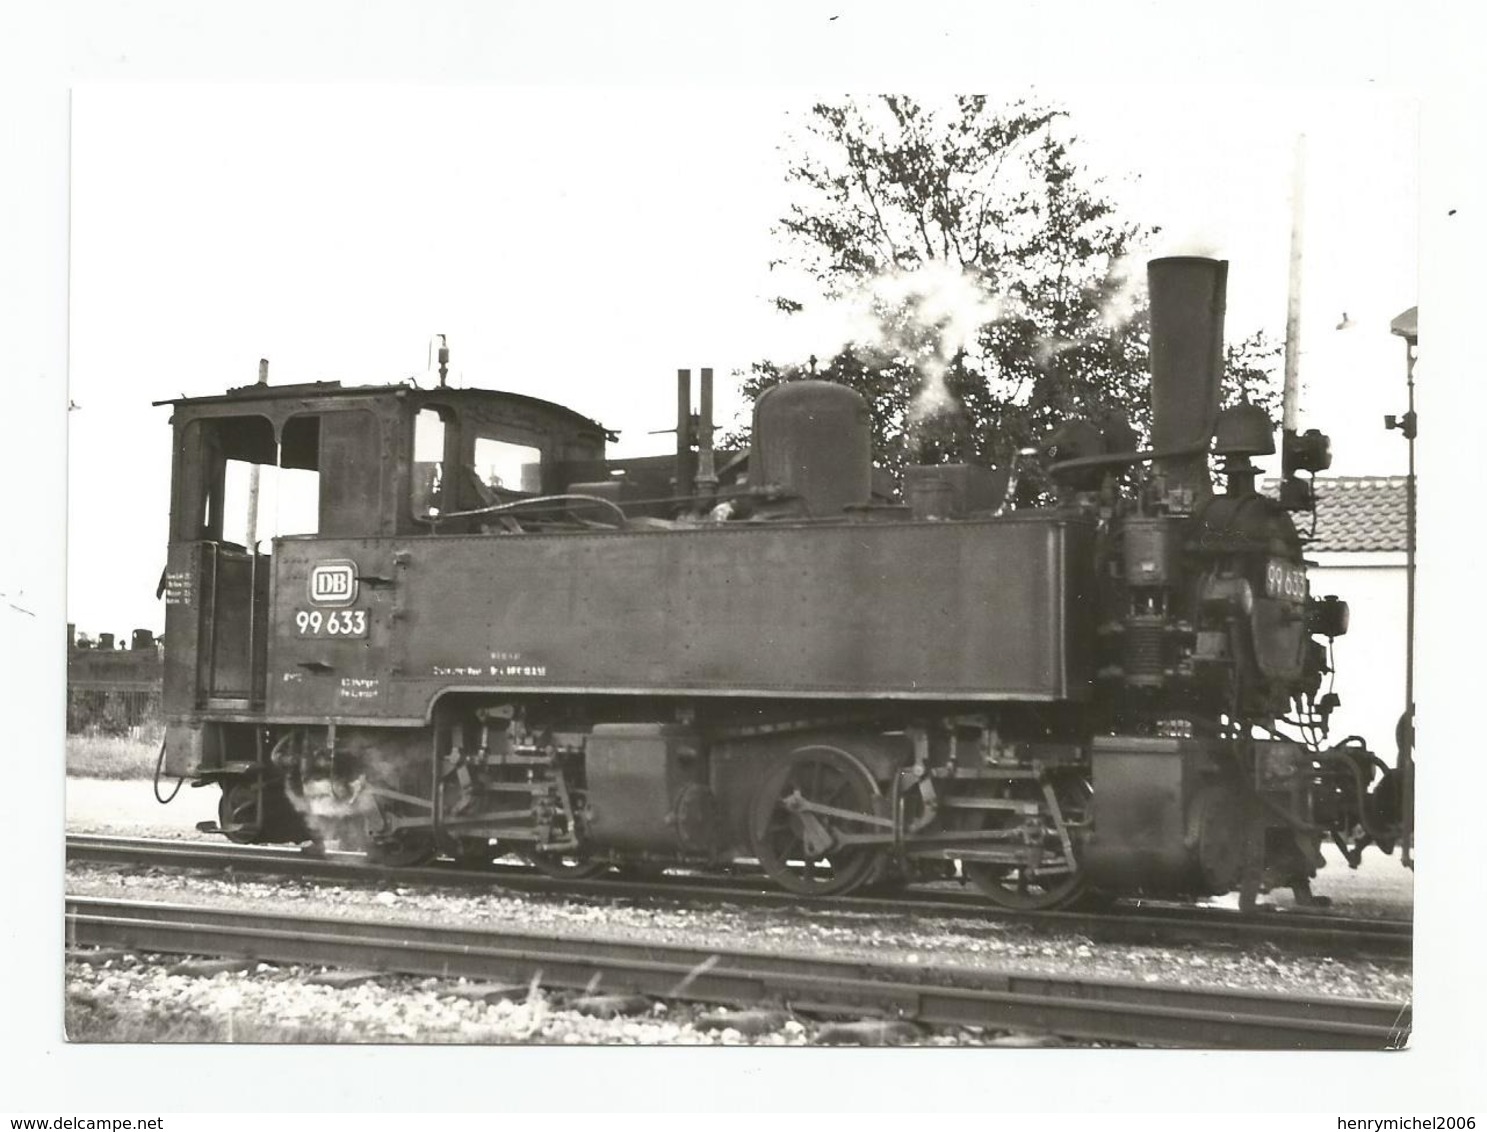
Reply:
x=333, y=583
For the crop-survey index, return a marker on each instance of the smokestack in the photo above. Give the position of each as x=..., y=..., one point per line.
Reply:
x=1187, y=360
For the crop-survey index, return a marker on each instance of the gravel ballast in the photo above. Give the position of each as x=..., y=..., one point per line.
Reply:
x=983, y=944
x=139, y=997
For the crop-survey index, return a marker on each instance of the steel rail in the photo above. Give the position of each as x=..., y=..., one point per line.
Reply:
x=1302, y=931
x=1086, y=1009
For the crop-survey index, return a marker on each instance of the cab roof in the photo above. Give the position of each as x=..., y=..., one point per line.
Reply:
x=334, y=389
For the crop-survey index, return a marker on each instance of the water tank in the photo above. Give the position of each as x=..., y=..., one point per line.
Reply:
x=813, y=441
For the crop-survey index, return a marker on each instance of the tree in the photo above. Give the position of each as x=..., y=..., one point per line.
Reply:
x=1250, y=373
x=990, y=290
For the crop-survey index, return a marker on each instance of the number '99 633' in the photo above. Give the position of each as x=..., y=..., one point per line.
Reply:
x=332, y=623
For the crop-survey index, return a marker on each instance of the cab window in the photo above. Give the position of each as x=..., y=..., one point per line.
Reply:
x=505, y=467
x=214, y=478
x=429, y=437
x=238, y=486
x=283, y=502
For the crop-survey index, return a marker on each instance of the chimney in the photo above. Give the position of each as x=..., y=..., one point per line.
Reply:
x=1187, y=360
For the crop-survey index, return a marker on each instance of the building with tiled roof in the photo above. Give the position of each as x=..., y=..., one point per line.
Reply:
x=1358, y=514
x=1358, y=553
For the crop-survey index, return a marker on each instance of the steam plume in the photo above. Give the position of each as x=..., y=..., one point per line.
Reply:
x=1126, y=281
x=929, y=315
x=925, y=316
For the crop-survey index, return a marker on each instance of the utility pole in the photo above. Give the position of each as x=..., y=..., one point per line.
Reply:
x=1406, y=326
x=1292, y=390
x=252, y=529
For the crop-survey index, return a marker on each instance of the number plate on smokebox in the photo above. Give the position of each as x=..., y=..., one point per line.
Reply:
x=1285, y=581
x=322, y=623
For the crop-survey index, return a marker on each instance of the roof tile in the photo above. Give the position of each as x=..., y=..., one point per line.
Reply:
x=1357, y=513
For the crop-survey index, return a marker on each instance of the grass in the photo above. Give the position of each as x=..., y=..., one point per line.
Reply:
x=112, y=756
x=94, y=1022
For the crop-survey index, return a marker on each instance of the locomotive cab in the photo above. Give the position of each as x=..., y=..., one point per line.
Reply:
x=262, y=466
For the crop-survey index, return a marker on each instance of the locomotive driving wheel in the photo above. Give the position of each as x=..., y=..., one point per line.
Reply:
x=800, y=813
x=240, y=809
x=253, y=810
x=566, y=866
x=1052, y=883
x=472, y=852
x=403, y=849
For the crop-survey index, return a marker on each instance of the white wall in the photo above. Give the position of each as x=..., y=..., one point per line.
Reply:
x=1370, y=658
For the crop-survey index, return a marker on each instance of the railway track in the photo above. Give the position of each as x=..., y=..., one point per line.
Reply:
x=1298, y=931
x=1085, y=1009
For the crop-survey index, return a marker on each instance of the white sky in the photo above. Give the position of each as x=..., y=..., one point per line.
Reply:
x=581, y=245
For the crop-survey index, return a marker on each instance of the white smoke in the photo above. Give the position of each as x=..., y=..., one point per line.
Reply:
x=1200, y=239
x=1049, y=347
x=928, y=315
x=945, y=309
x=343, y=811
x=1127, y=282
x=924, y=316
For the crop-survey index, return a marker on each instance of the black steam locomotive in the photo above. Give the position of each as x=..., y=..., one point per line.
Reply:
x=498, y=641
